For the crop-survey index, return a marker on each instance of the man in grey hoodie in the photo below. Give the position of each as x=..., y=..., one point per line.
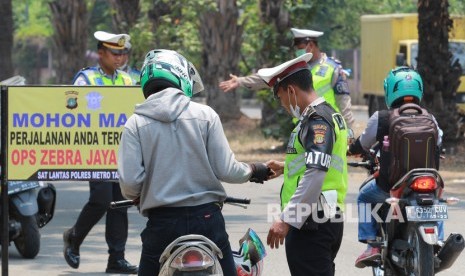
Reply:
x=172, y=156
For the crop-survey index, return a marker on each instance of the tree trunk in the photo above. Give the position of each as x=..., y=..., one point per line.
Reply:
x=221, y=38
x=440, y=78
x=125, y=14
x=275, y=119
x=70, y=23
x=6, y=43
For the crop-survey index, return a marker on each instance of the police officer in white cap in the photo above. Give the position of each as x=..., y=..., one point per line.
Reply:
x=315, y=172
x=330, y=80
x=126, y=67
x=110, y=50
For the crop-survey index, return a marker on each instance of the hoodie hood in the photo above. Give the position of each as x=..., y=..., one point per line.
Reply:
x=164, y=106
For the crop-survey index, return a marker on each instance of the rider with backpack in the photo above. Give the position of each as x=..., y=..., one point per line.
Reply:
x=410, y=138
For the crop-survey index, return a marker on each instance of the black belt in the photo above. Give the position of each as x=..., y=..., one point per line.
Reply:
x=184, y=210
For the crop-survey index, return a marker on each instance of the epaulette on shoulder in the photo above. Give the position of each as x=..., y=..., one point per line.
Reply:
x=89, y=68
x=335, y=60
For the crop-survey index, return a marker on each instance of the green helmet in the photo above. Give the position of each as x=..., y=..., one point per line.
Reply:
x=401, y=82
x=167, y=68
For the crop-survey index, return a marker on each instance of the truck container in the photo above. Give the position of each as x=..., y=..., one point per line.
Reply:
x=390, y=40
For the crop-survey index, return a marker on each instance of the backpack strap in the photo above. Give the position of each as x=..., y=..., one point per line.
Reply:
x=383, y=125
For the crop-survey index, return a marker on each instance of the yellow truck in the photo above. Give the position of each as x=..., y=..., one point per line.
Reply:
x=389, y=40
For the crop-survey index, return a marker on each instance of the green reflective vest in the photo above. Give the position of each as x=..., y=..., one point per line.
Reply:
x=294, y=167
x=94, y=77
x=322, y=73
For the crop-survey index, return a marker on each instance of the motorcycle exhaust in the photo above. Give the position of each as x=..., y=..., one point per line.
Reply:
x=450, y=251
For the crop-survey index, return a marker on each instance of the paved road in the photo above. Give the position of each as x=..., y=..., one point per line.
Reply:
x=72, y=196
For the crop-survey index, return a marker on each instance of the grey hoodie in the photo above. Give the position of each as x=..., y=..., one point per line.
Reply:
x=173, y=152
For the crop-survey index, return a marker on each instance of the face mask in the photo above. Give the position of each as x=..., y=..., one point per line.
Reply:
x=300, y=52
x=295, y=111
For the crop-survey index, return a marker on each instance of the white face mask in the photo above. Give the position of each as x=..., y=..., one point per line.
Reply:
x=295, y=111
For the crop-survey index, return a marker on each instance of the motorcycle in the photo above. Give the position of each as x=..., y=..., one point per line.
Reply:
x=31, y=206
x=408, y=235
x=197, y=255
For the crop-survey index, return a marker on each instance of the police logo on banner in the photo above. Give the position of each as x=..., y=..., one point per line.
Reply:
x=71, y=99
x=94, y=100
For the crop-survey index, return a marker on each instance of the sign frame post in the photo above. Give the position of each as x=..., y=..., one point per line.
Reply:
x=4, y=179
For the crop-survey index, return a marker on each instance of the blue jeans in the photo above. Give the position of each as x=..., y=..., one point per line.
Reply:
x=168, y=223
x=367, y=226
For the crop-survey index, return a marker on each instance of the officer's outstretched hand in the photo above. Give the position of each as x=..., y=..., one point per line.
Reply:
x=260, y=172
x=277, y=167
x=230, y=84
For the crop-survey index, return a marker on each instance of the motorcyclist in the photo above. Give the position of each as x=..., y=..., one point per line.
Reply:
x=173, y=154
x=402, y=85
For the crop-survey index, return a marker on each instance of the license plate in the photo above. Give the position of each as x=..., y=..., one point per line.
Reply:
x=426, y=213
x=20, y=186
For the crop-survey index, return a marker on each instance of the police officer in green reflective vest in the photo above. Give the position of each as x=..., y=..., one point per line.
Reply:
x=329, y=78
x=126, y=66
x=315, y=172
x=110, y=50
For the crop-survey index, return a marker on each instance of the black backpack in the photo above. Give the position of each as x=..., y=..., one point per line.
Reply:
x=413, y=138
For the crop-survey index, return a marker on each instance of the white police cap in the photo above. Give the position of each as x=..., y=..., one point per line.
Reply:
x=301, y=33
x=114, y=42
x=273, y=76
x=127, y=45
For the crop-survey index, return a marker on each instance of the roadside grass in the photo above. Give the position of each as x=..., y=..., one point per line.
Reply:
x=248, y=142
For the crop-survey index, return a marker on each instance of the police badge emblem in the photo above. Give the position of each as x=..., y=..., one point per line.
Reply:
x=71, y=99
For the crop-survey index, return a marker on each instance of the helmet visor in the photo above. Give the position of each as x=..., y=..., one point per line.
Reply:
x=256, y=248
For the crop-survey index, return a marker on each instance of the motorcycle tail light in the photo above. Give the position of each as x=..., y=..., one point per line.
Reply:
x=424, y=184
x=429, y=230
x=192, y=259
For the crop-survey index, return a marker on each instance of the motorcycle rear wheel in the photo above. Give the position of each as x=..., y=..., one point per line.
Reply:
x=420, y=261
x=28, y=241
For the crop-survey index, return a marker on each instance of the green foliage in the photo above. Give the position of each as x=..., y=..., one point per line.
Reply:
x=99, y=20
x=31, y=19
x=457, y=7
x=141, y=40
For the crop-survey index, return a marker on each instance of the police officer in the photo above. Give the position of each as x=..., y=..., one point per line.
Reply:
x=110, y=50
x=315, y=172
x=329, y=78
x=126, y=67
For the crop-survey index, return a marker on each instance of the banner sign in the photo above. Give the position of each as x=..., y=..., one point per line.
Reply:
x=67, y=132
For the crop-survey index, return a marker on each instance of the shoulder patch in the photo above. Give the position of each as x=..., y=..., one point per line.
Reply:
x=320, y=133
x=89, y=68
x=335, y=60
x=330, y=61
